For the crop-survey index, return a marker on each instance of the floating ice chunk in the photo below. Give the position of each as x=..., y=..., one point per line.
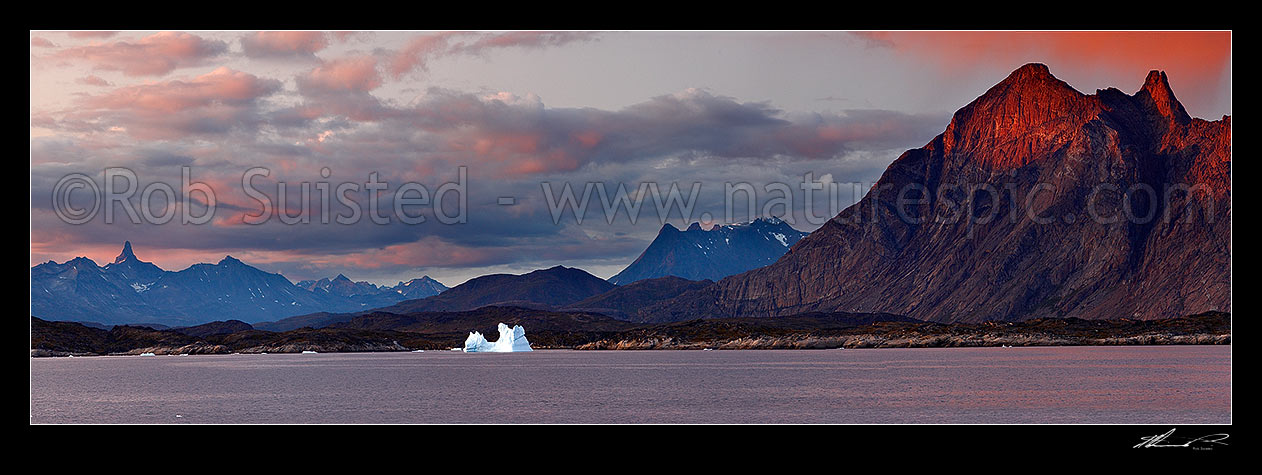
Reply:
x=308, y=352
x=147, y=354
x=511, y=339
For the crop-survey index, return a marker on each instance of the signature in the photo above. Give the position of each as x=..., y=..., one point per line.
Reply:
x=1164, y=440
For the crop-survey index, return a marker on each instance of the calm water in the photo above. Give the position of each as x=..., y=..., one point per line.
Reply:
x=1166, y=384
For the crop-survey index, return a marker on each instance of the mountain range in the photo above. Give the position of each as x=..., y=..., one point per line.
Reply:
x=130, y=290
x=700, y=254
x=1029, y=161
x=543, y=289
x=375, y=295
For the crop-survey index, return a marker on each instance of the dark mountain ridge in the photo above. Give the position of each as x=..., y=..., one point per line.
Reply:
x=701, y=254
x=545, y=288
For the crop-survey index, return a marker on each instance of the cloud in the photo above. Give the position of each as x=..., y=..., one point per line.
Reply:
x=292, y=44
x=153, y=55
x=92, y=80
x=40, y=42
x=212, y=103
x=356, y=74
x=523, y=39
x=518, y=135
x=91, y=34
x=227, y=121
x=417, y=53
x=221, y=86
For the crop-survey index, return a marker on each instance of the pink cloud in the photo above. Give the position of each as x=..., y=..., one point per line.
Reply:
x=284, y=43
x=344, y=36
x=422, y=49
x=347, y=74
x=152, y=55
x=213, y=103
x=91, y=34
x=40, y=42
x=91, y=80
x=419, y=51
x=222, y=85
x=525, y=39
x=429, y=251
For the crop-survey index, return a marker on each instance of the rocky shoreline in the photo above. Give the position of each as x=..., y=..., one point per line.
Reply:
x=1210, y=328
x=811, y=342
x=53, y=339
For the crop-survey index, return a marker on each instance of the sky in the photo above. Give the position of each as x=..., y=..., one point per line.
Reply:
x=515, y=113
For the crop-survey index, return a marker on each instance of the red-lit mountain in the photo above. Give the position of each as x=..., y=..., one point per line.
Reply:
x=1032, y=161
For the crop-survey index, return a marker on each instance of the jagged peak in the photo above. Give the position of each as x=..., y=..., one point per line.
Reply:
x=1029, y=98
x=695, y=226
x=230, y=260
x=667, y=226
x=1030, y=71
x=82, y=260
x=761, y=222
x=1032, y=77
x=420, y=280
x=1155, y=80
x=769, y=220
x=127, y=253
x=1157, y=90
x=341, y=277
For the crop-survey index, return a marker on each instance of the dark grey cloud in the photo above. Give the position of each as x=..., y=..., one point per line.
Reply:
x=510, y=144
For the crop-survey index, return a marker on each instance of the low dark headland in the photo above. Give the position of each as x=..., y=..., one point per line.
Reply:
x=799, y=332
x=554, y=330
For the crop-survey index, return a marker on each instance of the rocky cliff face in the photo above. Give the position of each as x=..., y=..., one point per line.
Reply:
x=1037, y=201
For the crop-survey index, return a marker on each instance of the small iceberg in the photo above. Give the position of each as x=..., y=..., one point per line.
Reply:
x=308, y=352
x=511, y=340
x=418, y=351
x=147, y=354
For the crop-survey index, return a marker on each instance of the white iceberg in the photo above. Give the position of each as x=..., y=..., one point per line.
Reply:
x=511, y=339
